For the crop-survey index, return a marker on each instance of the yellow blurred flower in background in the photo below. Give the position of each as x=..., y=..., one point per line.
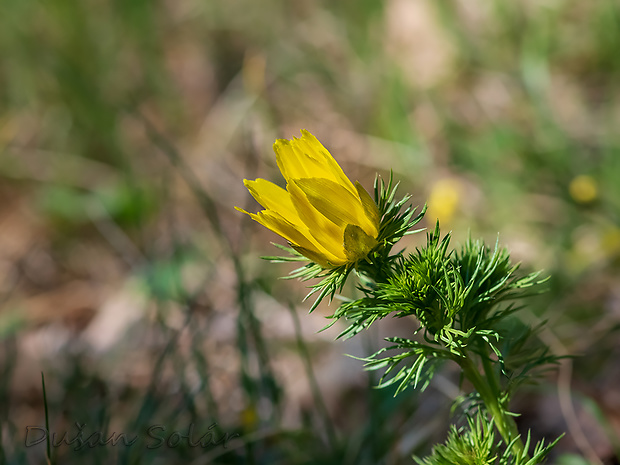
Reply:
x=444, y=199
x=611, y=242
x=583, y=189
x=593, y=244
x=322, y=214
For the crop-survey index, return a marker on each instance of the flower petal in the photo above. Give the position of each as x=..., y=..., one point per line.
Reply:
x=319, y=258
x=326, y=233
x=336, y=203
x=307, y=158
x=305, y=243
x=371, y=209
x=273, y=197
x=357, y=244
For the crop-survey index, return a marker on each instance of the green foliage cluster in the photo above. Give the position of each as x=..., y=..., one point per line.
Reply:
x=462, y=300
x=476, y=445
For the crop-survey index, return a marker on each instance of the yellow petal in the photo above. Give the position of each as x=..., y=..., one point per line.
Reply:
x=357, y=244
x=307, y=158
x=280, y=226
x=295, y=236
x=336, y=203
x=370, y=208
x=326, y=233
x=321, y=259
x=273, y=197
x=328, y=167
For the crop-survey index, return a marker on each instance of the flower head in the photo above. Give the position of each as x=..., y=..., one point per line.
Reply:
x=322, y=214
x=583, y=189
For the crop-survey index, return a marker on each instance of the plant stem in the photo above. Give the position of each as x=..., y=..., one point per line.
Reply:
x=488, y=388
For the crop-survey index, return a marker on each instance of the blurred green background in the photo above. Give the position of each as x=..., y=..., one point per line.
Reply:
x=126, y=128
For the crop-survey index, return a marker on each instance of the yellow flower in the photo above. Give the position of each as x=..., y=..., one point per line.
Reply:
x=322, y=214
x=444, y=199
x=583, y=189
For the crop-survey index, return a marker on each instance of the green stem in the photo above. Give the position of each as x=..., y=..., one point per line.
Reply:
x=488, y=388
